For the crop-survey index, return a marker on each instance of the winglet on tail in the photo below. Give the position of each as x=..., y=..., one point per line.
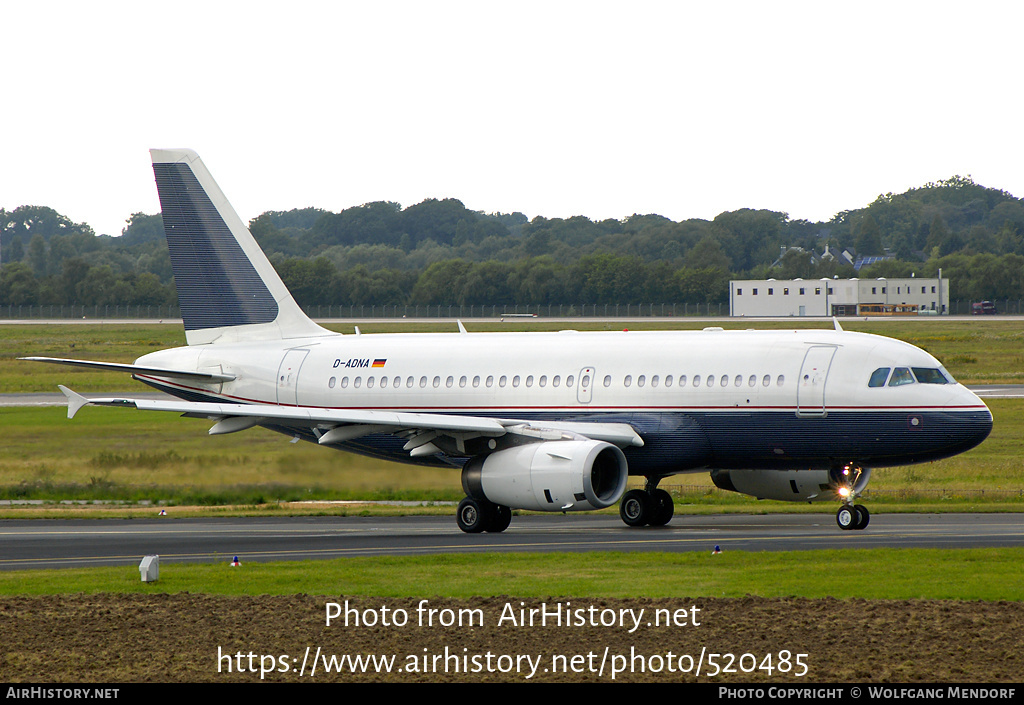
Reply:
x=227, y=289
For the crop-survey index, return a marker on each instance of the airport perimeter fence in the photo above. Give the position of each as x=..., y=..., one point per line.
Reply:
x=399, y=311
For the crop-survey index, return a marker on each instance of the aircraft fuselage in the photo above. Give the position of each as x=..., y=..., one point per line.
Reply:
x=701, y=399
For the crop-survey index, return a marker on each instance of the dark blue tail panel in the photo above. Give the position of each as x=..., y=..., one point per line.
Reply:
x=217, y=284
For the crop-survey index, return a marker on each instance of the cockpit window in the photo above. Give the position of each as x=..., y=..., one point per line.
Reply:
x=878, y=377
x=932, y=375
x=901, y=375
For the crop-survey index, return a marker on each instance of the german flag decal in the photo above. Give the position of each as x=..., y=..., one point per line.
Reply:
x=379, y=362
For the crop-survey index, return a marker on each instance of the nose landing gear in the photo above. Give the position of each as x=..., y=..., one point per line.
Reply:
x=849, y=481
x=853, y=517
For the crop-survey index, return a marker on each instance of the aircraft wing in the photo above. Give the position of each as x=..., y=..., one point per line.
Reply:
x=338, y=425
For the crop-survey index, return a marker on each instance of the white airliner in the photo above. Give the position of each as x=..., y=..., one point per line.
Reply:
x=540, y=421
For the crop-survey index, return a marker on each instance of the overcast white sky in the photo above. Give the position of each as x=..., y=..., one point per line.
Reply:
x=602, y=109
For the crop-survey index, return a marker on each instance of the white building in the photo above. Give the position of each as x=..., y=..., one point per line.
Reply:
x=839, y=297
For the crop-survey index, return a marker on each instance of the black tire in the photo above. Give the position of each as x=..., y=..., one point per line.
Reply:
x=501, y=517
x=847, y=517
x=635, y=508
x=863, y=516
x=473, y=516
x=662, y=508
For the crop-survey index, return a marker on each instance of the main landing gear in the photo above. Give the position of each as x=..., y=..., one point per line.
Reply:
x=477, y=515
x=649, y=506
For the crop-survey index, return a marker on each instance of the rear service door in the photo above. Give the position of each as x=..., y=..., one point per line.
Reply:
x=288, y=376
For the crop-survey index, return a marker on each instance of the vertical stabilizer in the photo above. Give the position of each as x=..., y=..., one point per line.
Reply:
x=227, y=289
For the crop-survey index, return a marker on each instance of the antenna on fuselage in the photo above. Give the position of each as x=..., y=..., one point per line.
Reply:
x=836, y=322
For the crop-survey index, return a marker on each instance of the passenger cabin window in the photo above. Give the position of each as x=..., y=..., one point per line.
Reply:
x=878, y=377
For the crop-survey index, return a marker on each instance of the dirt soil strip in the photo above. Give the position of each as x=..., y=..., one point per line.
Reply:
x=205, y=638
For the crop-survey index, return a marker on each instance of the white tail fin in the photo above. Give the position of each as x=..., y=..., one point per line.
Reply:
x=227, y=289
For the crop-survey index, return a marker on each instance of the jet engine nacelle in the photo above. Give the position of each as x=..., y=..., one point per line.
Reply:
x=787, y=485
x=553, y=476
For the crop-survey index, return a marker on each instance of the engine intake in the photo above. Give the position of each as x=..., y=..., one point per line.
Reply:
x=554, y=476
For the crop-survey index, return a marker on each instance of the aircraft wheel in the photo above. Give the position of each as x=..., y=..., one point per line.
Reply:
x=847, y=517
x=634, y=508
x=662, y=508
x=501, y=517
x=473, y=516
x=863, y=516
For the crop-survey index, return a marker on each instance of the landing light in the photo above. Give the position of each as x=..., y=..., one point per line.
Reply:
x=844, y=491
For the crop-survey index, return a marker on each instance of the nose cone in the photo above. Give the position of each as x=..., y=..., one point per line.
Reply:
x=975, y=423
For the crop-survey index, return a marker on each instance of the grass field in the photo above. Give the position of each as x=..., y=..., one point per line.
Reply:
x=981, y=574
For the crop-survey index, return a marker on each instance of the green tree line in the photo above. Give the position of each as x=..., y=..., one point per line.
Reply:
x=440, y=253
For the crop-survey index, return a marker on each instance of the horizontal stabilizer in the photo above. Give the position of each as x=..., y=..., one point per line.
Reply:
x=134, y=369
